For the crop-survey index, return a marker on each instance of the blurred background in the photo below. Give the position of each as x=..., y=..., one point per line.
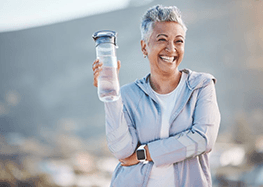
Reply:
x=51, y=120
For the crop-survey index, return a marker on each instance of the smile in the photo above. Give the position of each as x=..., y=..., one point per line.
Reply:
x=168, y=59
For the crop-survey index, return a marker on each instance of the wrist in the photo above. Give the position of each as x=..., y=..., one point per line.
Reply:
x=148, y=156
x=141, y=153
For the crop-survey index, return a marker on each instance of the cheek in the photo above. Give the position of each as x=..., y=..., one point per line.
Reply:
x=181, y=50
x=181, y=54
x=153, y=52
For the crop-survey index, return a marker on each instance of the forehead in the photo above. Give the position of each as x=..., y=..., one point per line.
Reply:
x=169, y=28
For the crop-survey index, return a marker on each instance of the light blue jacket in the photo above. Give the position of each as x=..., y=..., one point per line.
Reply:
x=194, y=123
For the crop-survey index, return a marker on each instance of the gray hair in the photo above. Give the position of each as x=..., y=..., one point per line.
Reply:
x=159, y=13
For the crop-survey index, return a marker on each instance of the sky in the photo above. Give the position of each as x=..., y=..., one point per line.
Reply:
x=22, y=14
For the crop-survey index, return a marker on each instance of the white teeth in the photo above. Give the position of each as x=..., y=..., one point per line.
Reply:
x=167, y=59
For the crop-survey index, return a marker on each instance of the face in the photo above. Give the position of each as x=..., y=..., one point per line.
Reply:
x=165, y=47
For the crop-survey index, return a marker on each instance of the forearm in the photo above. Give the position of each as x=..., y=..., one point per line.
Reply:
x=121, y=136
x=176, y=148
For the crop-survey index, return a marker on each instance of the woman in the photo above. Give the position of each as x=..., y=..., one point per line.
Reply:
x=172, y=116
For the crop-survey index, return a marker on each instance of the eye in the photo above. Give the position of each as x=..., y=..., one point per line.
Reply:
x=161, y=39
x=179, y=41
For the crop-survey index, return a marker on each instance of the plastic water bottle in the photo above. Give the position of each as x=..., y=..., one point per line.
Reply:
x=108, y=82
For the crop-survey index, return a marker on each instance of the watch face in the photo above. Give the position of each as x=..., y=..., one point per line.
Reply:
x=140, y=155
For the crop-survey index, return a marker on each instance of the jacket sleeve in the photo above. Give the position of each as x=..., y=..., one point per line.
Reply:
x=198, y=139
x=121, y=135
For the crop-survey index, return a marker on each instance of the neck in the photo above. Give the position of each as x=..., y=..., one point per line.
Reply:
x=165, y=83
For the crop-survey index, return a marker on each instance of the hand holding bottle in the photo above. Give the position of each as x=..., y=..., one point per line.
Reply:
x=97, y=67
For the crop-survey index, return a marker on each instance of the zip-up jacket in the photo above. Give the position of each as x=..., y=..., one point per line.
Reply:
x=194, y=124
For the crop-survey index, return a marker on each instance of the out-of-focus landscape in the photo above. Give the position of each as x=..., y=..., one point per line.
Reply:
x=52, y=122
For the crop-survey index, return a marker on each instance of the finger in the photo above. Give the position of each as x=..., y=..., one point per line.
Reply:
x=95, y=78
x=95, y=62
x=119, y=65
x=97, y=70
x=96, y=65
x=123, y=164
x=95, y=82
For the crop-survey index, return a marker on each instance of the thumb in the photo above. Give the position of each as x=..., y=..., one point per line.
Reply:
x=119, y=65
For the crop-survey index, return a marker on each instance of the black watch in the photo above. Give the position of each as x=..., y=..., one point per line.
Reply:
x=141, y=153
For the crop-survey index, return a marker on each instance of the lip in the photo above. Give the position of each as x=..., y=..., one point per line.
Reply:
x=168, y=59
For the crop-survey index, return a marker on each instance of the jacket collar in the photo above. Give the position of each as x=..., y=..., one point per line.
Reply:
x=194, y=80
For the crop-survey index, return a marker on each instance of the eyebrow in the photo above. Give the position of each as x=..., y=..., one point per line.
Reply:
x=167, y=36
x=179, y=36
x=161, y=35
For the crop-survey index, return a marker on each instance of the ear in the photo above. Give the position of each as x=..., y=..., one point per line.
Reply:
x=143, y=47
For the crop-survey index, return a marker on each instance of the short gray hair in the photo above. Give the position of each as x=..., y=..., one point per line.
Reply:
x=159, y=13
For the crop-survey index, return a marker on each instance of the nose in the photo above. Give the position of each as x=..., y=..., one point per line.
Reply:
x=170, y=47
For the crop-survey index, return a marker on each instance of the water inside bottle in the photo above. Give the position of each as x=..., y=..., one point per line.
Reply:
x=108, y=83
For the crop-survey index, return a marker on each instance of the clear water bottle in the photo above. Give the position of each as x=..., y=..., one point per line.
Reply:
x=108, y=82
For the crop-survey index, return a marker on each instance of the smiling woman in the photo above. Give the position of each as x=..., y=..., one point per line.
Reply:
x=164, y=125
x=165, y=51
